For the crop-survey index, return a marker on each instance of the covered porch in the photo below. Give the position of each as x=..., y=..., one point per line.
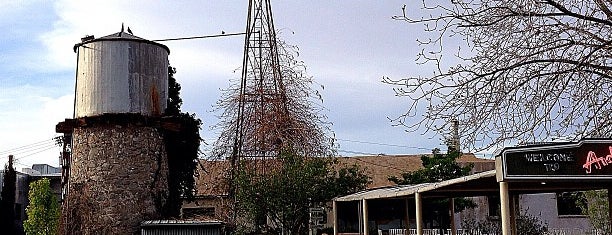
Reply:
x=403, y=209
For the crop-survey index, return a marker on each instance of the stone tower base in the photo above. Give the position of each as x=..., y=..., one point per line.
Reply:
x=118, y=178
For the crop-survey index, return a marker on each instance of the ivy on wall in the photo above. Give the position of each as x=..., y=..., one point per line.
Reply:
x=182, y=147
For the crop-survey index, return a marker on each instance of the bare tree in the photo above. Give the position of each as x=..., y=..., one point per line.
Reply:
x=277, y=114
x=534, y=70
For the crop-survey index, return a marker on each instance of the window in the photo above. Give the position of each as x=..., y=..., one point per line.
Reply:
x=569, y=203
x=494, y=205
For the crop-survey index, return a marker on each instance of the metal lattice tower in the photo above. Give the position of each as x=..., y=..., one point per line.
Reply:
x=262, y=99
x=261, y=96
x=272, y=108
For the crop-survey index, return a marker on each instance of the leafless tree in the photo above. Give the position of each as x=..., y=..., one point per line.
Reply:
x=281, y=110
x=533, y=70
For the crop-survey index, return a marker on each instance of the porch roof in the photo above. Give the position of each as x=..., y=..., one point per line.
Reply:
x=484, y=182
x=479, y=184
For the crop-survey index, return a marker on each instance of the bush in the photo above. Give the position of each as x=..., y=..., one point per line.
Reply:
x=526, y=224
x=43, y=210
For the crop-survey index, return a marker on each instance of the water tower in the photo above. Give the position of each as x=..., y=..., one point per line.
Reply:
x=118, y=170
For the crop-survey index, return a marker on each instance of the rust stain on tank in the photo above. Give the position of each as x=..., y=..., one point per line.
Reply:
x=121, y=74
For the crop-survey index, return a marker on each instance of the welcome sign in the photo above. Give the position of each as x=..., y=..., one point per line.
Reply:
x=586, y=159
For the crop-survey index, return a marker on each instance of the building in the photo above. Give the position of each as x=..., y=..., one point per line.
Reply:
x=22, y=187
x=212, y=199
x=543, y=181
x=118, y=160
x=183, y=227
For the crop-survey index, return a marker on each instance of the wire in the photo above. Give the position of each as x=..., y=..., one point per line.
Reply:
x=376, y=164
x=382, y=144
x=355, y=152
x=31, y=154
x=29, y=147
x=199, y=37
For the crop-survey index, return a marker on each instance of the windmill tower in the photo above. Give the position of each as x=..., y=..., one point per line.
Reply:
x=262, y=102
x=260, y=109
x=272, y=108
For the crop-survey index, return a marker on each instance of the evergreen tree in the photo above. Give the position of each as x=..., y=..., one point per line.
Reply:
x=43, y=210
x=438, y=167
x=7, y=205
x=596, y=207
x=280, y=199
x=182, y=146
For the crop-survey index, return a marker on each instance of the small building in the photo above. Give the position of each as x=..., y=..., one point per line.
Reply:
x=182, y=227
x=22, y=187
x=533, y=180
x=212, y=200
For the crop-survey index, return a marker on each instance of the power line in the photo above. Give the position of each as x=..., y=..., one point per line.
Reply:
x=27, y=152
x=199, y=37
x=382, y=144
x=29, y=147
x=31, y=154
x=376, y=164
x=356, y=152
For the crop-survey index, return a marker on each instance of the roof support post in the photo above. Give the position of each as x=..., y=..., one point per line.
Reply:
x=407, y=215
x=360, y=216
x=505, y=208
x=609, y=209
x=335, y=217
x=419, y=213
x=364, y=209
x=451, y=208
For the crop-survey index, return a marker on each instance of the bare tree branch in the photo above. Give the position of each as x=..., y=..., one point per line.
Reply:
x=535, y=70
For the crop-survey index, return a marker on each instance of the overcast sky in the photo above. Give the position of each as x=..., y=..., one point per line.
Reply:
x=348, y=46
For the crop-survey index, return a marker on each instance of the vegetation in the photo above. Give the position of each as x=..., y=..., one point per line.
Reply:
x=596, y=208
x=182, y=146
x=438, y=167
x=526, y=224
x=532, y=70
x=43, y=211
x=273, y=107
x=284, y=195
x=7, y=202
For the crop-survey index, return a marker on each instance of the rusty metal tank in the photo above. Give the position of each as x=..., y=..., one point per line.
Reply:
x=121, y=73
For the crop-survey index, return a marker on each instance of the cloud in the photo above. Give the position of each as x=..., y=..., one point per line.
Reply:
x=150, y=20
x=32, y=116
x=345, y=51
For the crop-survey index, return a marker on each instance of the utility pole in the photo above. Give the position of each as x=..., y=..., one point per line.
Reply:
x=456, y=144
x=453, y=141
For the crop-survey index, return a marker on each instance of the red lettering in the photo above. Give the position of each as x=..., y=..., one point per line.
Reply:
x=599, y=162
x=609, y=156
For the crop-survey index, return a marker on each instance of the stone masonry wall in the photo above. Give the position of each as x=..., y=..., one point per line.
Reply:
x=118, y=178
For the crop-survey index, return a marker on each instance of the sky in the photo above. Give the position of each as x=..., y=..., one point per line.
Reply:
x=347, y=46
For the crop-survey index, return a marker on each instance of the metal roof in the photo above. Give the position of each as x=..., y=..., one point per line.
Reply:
x=480, y=184
x=180, y=223
x=386, y=192
x=120, y=36
x=408, y=190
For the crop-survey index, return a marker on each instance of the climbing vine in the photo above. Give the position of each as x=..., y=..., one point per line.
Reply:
x=182, y=147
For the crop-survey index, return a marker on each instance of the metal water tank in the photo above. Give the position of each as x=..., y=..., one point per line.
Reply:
x=121, y=73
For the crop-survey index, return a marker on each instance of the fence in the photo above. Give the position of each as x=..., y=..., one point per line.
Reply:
x=554, y=231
